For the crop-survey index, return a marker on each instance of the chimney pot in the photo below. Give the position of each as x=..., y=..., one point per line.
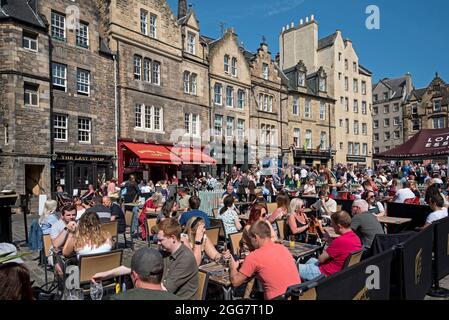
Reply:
x=312, y=17
x=292, y=25
x=301, y=22
x=287, y=27
x=307, y=19
x=283, y=29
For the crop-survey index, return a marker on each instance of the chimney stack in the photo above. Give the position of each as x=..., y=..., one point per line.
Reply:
x=182, y=8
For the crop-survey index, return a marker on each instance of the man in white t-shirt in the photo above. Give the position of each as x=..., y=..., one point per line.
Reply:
x=303, y=173
x=325, y=205
x=404, y=193
x=436, y=202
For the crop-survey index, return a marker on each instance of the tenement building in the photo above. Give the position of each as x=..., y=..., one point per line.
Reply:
x=389, y=96
x=25, y=151
x=230, y=85
x=427, y=108
x=348, y=82
x=267, y=119
x=82, y=95
x=162, y=87
x=310, y=117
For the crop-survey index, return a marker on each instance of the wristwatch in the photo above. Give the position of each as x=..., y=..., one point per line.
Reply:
x=66, y=229
x=199, y=242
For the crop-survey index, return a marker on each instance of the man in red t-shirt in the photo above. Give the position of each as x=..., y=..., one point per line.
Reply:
x=270, y=262
x=332, y=260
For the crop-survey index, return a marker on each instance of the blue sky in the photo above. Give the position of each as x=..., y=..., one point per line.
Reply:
x=413, y=35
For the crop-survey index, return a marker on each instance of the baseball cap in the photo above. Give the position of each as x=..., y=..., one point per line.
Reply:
x=8, y=253
x=146, y=262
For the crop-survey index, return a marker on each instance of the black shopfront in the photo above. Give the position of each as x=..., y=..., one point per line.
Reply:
x=75, y=172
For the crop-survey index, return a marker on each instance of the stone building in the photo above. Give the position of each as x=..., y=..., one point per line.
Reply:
x=230, y=86
x=82, y=95
x=427, y=108
x=268, y=98
x=348, y=82
x=310, y=117
x=162, y=84
x=388, y=98
x=25, y=151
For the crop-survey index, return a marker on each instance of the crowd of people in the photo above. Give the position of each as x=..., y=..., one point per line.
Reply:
x=171, y=272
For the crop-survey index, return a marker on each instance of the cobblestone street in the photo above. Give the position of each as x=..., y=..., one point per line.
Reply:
x=37, y=272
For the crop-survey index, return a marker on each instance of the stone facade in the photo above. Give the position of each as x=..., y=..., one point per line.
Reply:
x=388, y=98
x=266, y=118
x=25, y=125
x=310, y=117
x=427, y=108
x=347, y=82
x=224, y=76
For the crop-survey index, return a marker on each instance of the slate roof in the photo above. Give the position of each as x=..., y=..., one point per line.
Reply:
x=327, y=41
x=21, y=10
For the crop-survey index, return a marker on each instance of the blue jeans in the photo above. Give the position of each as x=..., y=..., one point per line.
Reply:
x=310, y=270
x=135, y=224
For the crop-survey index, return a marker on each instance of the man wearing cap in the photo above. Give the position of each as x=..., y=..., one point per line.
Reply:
x=147, y=268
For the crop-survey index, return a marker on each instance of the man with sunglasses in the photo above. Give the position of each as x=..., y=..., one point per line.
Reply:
x=375, y=207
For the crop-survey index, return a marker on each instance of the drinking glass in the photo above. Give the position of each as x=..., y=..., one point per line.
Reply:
x=73, y=294
x=292, y=242
x=96, y=290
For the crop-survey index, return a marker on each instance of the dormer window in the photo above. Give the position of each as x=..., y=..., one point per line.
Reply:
x=301, y=79
x=437, y=105
x=385, y=95
x=322, y=84
x=191, y=42
x=265, y=71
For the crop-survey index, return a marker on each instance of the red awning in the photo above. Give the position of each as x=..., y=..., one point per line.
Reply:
x=153, y=153
x=193, y=156
x=428, y=143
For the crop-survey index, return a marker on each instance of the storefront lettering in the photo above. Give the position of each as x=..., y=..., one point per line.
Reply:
x=437, y=142
x=79, y=158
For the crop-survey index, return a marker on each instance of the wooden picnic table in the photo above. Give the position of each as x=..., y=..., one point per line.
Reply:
x=393, y=220
x=331, y=232
x=219, y=274
x=301, y=250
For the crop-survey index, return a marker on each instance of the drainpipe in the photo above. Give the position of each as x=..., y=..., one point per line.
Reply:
x=52, y=140
x=115, y=116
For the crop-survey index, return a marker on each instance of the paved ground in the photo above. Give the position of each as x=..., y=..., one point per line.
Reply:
x=37, y=272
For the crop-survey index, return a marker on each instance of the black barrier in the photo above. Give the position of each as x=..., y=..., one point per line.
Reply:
x=440, y=257
x=415, y=257
x=367, y=280
x=417, y=213
x=346, y=205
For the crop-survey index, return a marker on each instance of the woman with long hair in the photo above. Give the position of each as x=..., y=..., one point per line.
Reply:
x=195, y=233
x=88, y=237
x=48, y=217
x=297, y=221
x=229, y=216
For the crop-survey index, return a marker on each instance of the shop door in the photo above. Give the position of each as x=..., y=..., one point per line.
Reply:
x=82, y=177
x=33, y=180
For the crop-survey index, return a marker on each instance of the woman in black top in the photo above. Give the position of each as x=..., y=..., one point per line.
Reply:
x=298, y=223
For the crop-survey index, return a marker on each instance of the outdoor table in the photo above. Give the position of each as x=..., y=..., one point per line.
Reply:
x=301, y=250
x=133, y=204
x=220, y=276
x=331, y=232
x=393, y=220
x=244, y=217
